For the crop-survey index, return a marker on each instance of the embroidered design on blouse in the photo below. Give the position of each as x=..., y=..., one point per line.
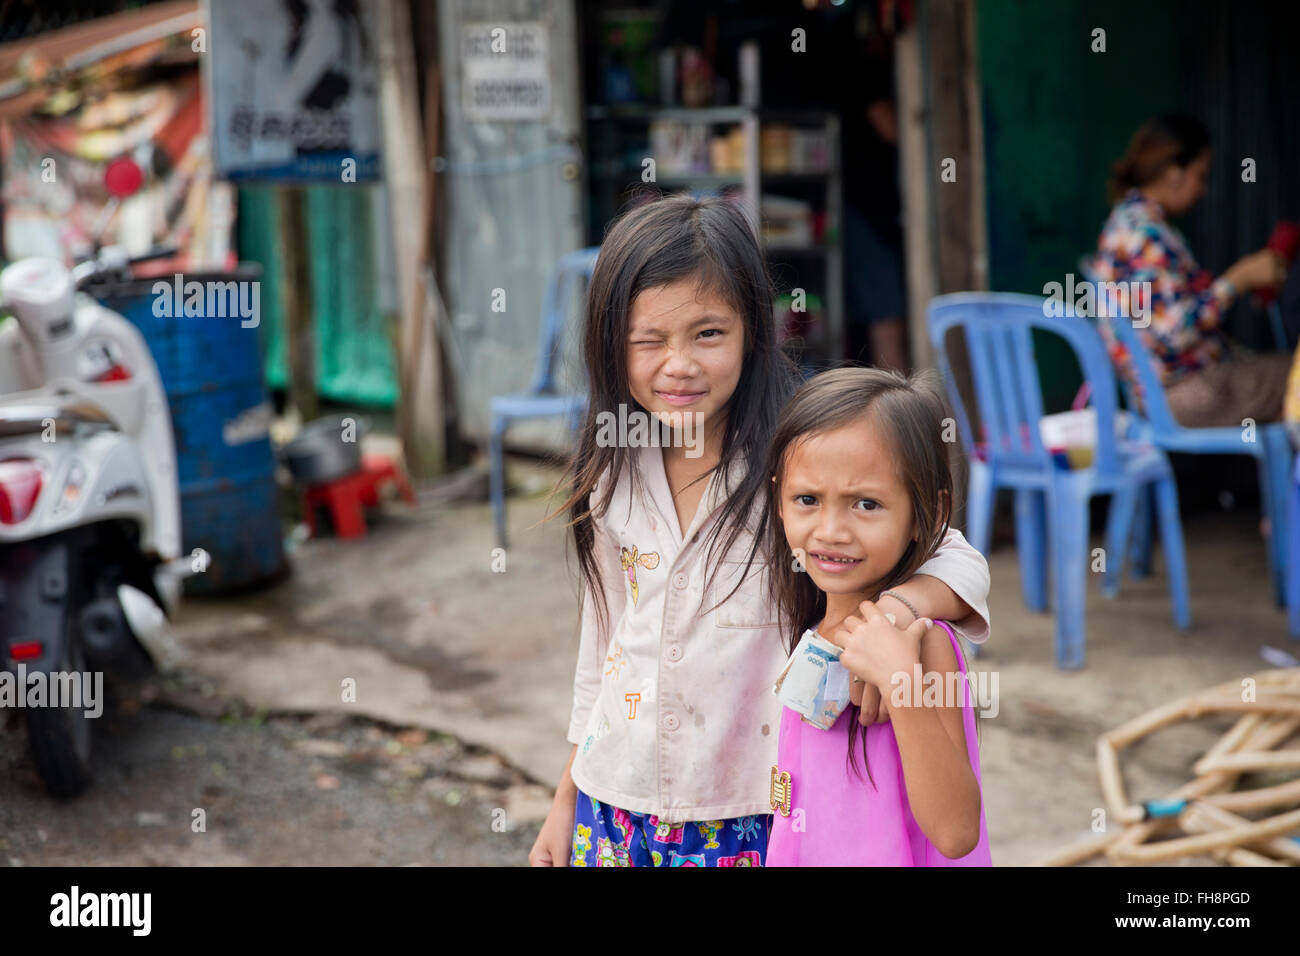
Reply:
x=630, y=559
x=616, y=661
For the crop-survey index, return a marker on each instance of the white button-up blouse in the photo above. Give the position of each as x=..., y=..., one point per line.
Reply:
x=673, y=712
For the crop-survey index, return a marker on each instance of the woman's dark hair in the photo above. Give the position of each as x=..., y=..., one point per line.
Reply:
x=710, y=241
x=909, y=413
x=1174, y=139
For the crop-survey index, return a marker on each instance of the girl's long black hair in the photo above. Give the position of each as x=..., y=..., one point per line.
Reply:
x=664, y=241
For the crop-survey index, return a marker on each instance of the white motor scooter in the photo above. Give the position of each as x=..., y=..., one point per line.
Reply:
x=90, y=538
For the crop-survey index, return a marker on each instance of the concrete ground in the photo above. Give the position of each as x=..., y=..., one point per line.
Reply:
x=193, y=782
x=432, y=637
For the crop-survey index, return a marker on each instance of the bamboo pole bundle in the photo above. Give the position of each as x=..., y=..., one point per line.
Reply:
x=1205, y=816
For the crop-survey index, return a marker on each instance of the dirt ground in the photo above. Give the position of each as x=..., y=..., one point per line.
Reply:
x=324, y=790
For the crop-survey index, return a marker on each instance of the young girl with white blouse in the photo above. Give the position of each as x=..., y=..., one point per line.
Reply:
x=674, y=726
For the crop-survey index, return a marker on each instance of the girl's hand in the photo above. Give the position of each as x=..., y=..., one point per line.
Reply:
x=875, y=650
x=555, y=841
x=872, y=708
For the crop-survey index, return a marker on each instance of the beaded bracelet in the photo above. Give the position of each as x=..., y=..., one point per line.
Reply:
x=916, y=616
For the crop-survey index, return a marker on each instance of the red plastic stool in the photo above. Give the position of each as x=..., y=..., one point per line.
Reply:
x=347, y=496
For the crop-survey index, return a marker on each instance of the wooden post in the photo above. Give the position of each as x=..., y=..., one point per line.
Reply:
x=977, y=196
x=420, y=410
x=917, y=179
x=942, y=169
x=299, y=319
x=950, y=48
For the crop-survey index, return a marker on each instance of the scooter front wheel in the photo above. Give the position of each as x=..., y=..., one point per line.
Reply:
x=60, y=736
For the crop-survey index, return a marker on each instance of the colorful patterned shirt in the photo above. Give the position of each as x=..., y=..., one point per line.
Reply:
x=1186, y=303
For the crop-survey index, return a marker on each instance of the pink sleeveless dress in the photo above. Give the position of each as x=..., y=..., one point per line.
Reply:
x=837, y=819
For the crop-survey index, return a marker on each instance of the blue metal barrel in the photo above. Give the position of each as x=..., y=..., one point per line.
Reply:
x=211, y=369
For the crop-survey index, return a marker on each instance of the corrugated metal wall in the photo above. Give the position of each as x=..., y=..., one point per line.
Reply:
x=510, y=214
x=1246, y=88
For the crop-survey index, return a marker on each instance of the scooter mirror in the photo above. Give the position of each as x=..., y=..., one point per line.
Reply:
x=123, y=177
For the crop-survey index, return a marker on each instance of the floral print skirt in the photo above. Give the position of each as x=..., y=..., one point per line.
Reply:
x=607, y=836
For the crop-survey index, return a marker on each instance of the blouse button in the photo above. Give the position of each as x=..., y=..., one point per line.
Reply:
x=671, y=722
x=674, y=652
x=679, y=580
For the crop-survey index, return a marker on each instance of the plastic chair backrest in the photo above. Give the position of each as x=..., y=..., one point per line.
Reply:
x=573, y=266
x=998, y=328
x=1152, y=404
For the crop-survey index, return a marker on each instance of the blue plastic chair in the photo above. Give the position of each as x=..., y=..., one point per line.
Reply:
x=1137, y=527
x=1271, y=450
x=1293, y=565
x=1051, y=500
x=1270, y=447
x=541, y=400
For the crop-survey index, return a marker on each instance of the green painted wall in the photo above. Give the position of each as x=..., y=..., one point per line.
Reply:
x=1056, y=115
x=354, y=337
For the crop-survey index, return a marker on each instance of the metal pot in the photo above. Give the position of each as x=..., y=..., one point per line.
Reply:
x=322, y=451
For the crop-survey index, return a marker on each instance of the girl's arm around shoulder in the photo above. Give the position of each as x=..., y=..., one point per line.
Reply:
x=952, y=586
x=941, y=786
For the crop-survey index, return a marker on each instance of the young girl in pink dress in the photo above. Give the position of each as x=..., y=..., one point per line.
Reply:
x=862, y=497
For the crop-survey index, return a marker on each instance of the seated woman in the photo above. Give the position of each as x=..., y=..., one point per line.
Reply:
x=1163, y=173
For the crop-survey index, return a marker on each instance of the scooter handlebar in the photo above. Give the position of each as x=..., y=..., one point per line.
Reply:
x=113, y=261
x=164, y=251
x=28, y=418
